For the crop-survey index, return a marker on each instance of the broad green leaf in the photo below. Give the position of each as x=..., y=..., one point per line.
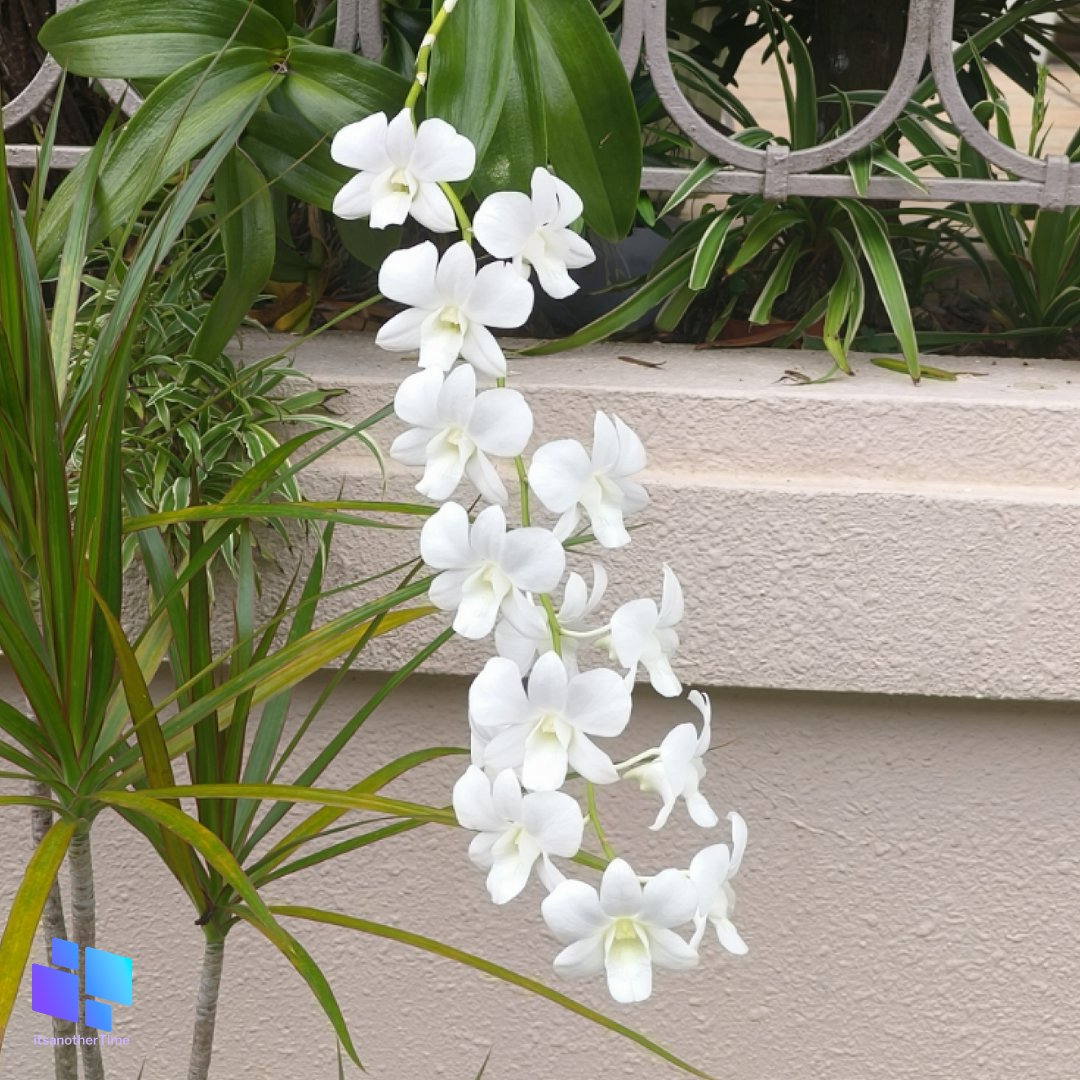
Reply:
x=295, y=157
x=217, y=854
x=802, y=99
x=25, y=911
x=777, y=283
x=149, y=39
x=282, y=10
x=246, y=220
x=594, y=140
x=180, y=117
x=766, y=226
x=478, y=963
x=330, y=88
x=519, y=142
x=470, y=71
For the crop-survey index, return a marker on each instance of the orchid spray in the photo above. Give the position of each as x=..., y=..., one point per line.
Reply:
x=539, y=712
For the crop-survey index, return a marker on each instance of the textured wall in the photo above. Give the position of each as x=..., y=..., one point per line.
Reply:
x=909, y=897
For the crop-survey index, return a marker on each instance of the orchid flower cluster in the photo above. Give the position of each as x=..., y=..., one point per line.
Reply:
x=539, y=711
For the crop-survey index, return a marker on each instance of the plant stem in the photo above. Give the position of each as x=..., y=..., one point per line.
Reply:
x=202, y=1041
x=590, y=798
x=423, y=57
x=54, y=925
x=84, y=928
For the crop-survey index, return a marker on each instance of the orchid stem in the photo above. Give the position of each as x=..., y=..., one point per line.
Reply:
x=590, y=798
x=553, y=623
x=423, y=57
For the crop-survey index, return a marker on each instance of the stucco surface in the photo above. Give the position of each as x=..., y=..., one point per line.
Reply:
x=863, y=535
x=909, y=897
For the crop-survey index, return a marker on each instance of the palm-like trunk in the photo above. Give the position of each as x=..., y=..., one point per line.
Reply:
x=84, y=924
x=54, y=925
x=202, y=1042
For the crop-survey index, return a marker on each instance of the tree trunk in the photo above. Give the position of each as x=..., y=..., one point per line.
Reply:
x=53, y=924
x=84, y=924
x=202, y=1042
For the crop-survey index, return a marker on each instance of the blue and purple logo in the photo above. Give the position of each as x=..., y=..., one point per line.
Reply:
x=56, y=993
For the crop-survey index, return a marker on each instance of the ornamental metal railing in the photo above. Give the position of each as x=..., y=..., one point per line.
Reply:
x=774, y=171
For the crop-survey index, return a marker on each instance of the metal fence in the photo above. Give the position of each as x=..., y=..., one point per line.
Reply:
x=774, y=171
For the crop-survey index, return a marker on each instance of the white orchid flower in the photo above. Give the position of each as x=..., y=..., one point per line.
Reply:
x=516, y=832
x=523, y=633
x=565, y=476
x=400, y=170
x=641, y=633
x=533, y=232
x=451, y=304
x=678, y=769
x=483, y=564
x=454, y=430
x=545, y=730
x=711, y=872
x=625, y=929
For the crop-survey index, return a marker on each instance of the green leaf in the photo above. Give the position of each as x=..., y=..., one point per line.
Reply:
x=25, y=912
x=777, y=284
x=258, y=914
x=469, y=70
x=704, y=170
x=294, y=156
x=519, y=142
x=149, y=39
x=629, y=311
x=330, y=88
x=246, y=215
x=594, y=140
x=873, y=239
x=180, y=118
x=438, y=948
x=709, y=248
x=761, y=231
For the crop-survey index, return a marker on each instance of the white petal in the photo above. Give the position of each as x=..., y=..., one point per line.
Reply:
x=481, y=349
x=400, y=139
x=663, y=678
x=669, y=899
x=547, y=684
x=485, y=479
x=441, y=153
x=554, y=819
x=590, y=761
x=497, y=698
x=501, y=423
x=410, y=447
x=362, y=145
x=551, y=877
x=632, y=626
x=631, y=453
x=629, y=971
x=545, y=196
x=354, y=199
x=669, y=951
x=507, y=749
x=477, y=612
x=509, y=875
x=456, y=275
x=480, y=849
x=558, y=472
x=729, y=937
x=408, y=276
x=402, y=333
x=432, y=208
x=605, y=450
x=533, y=559
x=506, y=796
x=581, y=959
x=502, y=297
x=738, y=841
x=671, y=603
x=598, y=703
x=444, y=539
x=545, y=764
x=620, y=891
x=554, y=278
x=573, y=912
x=445, y=590
x=709, y=869
x=473, y=806
x=504, y=223
x=701, y=813
x=443, y=470
x=457, y=395
x=417, y=398
x=488, y=533
x=389, y=204
x=440, y=342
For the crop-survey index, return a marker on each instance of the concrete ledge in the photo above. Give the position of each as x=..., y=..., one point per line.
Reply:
x=862, y=535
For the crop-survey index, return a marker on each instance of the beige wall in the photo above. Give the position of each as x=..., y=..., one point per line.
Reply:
x=910, y=898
